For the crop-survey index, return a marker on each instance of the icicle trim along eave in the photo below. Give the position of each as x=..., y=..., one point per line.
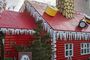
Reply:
x=11, y=31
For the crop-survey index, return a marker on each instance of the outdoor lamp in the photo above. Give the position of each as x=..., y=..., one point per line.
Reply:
x=83, y=24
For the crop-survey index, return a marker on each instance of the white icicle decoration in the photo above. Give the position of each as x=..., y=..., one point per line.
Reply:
x=4, y=30
x=51, y=32
x=54, y=36
x=58, y=35
x=61, y=35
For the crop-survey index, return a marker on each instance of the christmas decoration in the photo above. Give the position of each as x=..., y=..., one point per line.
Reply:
x=66, y=7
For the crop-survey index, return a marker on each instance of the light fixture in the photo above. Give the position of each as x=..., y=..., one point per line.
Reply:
x=83, y=24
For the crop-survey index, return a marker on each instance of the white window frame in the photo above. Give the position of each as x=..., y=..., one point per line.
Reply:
x=68, y=49
x=84, y=47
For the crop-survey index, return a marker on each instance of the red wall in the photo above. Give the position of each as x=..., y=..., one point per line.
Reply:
x=19, y=39
x=77, y=56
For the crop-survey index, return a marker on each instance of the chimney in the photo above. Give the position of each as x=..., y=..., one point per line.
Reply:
x=66, y=7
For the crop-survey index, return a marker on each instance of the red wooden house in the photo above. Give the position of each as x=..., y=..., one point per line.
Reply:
x=68, y=40
x=18, y=28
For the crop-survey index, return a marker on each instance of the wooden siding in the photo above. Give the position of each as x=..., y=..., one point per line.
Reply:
x=19, y=39
x=60, y=52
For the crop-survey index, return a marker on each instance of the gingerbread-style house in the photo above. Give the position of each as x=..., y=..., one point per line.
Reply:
x=69, y=41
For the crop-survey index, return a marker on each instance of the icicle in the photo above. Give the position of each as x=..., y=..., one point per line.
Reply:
x=86, y=36
x=51, y=32
x=21, y=31
x=54, y=55
x=75, y=36
x=54, y=50
x=69, y=37
x=43, y=20
x=4, y=30
x=45, y=26
x=11, y=31
x=34, y=14
x=25, y=31
x=83, y=36
x=17, y=31
x=29, y=32
x=57, y=35
x=48, y=29
x=64, y=35
x=78, y=36
x=31, y=11
x=61, y=35
x=54, y=37
x=32, y=31
x=39, y=18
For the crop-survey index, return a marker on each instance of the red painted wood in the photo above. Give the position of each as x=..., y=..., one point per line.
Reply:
x=59, y=22
x=19, y=39
x=77, y=56
x=11, y=19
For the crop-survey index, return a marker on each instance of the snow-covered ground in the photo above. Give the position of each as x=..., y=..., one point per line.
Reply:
x=50, y=2
x=16, y=4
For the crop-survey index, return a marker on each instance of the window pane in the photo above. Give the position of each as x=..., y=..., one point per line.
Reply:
x=66, y=46
x=87, y=50
x=87, y=45
x=70, y=47
x=81, y=45
x=66, y=53
x=70, y=52
x=81, y=51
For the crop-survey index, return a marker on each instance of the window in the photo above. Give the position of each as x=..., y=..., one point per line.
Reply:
x=85, y=48
x=68, y=50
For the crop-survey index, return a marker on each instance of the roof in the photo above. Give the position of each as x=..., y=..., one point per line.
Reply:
x=59, y=22
x=11, y=19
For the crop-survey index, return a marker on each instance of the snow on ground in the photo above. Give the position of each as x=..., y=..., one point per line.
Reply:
x=50, y=2
x=15, y=5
